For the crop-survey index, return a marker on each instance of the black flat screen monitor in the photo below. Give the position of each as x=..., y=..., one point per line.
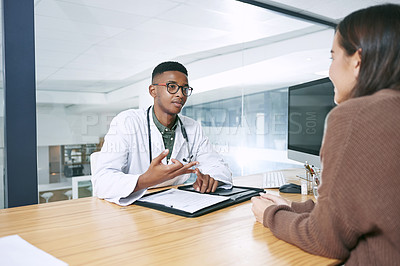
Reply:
x=309, y=104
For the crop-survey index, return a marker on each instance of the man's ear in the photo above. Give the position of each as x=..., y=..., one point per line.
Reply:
x=152, y=91
x=356, y=59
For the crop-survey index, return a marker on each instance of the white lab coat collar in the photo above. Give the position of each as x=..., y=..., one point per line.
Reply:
x=178, y=143
x=157, y=143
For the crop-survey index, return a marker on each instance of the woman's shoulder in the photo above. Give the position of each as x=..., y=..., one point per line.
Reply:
x=384, y=103
x=383, y=99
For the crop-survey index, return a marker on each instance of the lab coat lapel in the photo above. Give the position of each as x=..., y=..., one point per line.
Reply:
x=178, y=152
x=157, y=144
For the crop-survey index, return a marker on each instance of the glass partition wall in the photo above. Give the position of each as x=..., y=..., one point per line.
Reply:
x=249, y=130
x=95, y=58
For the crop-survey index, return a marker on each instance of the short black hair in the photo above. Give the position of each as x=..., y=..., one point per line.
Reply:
x=168, y=66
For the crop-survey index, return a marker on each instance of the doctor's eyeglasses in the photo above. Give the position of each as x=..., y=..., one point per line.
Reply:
x=174, y=88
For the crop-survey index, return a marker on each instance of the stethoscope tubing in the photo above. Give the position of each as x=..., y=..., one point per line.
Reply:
x=183, y=130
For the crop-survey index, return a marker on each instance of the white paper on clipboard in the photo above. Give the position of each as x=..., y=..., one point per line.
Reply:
x=184, y=200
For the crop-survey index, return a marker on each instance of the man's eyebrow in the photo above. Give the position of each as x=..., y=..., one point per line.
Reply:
x=173, y=81
x=332, y=51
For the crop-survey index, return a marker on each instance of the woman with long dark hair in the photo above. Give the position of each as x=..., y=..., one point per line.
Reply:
x=357, y=216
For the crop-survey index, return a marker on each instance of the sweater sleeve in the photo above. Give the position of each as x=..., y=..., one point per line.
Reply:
x=301, y=207
x=320, y=232
x=322, y=229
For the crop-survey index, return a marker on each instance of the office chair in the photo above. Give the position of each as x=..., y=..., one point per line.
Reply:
x=77, y=179
x=93, y=160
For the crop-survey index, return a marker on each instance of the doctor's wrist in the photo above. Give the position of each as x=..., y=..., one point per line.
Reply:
x=141, y=183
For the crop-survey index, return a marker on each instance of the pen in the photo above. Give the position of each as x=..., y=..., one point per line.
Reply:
x=314, y=172
x=309, y=169
x=313, y=169
x=303, y=178
x=316, y=179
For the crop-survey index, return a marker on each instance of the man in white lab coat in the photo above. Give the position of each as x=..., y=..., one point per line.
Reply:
x=156, y=147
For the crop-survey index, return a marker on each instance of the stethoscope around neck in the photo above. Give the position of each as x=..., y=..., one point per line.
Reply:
x=183, y=130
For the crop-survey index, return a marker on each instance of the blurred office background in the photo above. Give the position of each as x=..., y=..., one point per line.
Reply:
x=94, y=59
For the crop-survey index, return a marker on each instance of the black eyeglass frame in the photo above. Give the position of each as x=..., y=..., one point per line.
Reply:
x=187, y=92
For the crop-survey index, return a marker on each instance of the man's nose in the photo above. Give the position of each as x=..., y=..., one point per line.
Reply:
x=180, y=92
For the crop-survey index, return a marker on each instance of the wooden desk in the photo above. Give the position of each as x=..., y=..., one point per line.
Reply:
x=90, y=231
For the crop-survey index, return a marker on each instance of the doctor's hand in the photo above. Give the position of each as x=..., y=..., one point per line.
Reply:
x=204, y=183
x=159, y=172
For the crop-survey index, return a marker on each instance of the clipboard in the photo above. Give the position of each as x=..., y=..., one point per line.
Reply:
x=230, y=197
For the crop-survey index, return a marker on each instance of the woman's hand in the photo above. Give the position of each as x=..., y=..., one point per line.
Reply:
x=277, y=200
x=261, y=203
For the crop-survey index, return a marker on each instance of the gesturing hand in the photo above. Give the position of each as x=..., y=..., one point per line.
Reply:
x=204, y=183
x=159, y=172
